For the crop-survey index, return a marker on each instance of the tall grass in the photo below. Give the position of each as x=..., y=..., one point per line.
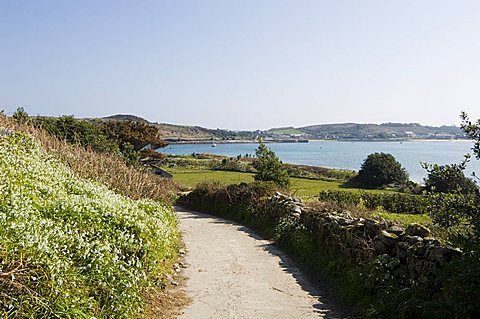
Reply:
x=103, y=167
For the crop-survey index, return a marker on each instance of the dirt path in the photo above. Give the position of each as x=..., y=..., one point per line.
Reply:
x=232, y=273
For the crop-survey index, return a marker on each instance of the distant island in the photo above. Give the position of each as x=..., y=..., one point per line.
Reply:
x=365, y=132
x=176, y=134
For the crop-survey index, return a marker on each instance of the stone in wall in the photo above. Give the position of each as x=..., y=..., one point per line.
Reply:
x=408, y=252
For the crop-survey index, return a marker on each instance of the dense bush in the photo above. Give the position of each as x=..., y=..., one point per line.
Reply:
x=448, y=179
x=379, y=170
x=398, y=203
x=459, y=215
x=243, y=201
x=71, y=248
x=20, y=116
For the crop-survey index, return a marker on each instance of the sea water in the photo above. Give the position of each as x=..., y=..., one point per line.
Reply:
x=349, y=155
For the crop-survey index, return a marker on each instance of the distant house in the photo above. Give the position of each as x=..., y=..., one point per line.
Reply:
x=410, y=134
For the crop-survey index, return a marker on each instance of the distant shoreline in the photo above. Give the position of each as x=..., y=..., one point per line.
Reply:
x=311, y=140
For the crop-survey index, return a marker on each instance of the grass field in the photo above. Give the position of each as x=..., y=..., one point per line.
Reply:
x=305, y=188
x=191, y=177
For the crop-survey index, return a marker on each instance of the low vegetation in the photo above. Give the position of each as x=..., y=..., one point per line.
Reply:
x=319, y=173
x=398, y=203
x=190, y=177
x=70, y=247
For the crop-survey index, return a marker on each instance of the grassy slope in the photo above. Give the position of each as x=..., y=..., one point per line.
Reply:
x=71, y=247
x=287, y=130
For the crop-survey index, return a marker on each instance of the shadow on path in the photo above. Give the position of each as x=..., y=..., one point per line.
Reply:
x=327, y=306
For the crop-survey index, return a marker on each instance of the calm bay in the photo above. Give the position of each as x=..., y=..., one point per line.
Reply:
x=348, y=155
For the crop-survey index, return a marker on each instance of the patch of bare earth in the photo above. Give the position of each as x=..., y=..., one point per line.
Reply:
x=168, y=302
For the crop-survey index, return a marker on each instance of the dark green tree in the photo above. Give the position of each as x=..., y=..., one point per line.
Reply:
x=75, y=131
x=125, y=137
x=379, y=170
x=137, y=134
x=448, y=178
x=269, y=167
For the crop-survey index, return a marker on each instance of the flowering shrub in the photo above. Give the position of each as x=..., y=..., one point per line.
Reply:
x=70, y=247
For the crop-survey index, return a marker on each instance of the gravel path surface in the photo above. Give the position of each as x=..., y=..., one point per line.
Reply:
x=232, y=273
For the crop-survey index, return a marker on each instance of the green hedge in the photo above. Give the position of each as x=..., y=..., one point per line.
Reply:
x=398, y=203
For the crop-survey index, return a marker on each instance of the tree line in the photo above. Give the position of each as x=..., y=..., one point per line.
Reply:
x=128, y=139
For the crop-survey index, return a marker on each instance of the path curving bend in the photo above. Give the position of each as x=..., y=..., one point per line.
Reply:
x=232, y=273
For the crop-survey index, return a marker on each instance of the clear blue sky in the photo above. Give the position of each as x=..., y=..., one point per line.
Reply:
x=243, y=64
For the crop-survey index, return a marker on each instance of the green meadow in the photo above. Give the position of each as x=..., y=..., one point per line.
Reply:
x=305, y=188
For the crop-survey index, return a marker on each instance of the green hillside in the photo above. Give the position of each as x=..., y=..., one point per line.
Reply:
x=381, y=131
x=285, y=130
x=72, y=248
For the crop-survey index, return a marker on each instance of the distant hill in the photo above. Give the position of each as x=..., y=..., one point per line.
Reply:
x=126, y=117
x=381, y=131
x=172, y=133
x=338, y=131
x=285, y=130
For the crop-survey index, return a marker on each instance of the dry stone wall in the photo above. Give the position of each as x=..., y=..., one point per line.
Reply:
x=409, y=253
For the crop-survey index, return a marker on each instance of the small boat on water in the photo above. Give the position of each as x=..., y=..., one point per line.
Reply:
x=213, y=144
